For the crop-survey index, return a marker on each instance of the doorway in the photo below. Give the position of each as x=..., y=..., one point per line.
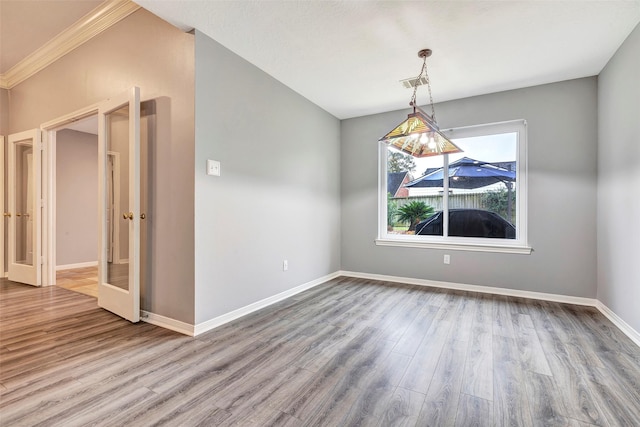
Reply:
x=121, y=193
x=76, y=206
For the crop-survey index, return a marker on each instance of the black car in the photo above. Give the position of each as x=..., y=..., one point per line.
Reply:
x=468, y=223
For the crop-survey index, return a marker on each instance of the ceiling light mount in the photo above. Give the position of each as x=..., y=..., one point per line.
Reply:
x=419, y=135
x=424, y=53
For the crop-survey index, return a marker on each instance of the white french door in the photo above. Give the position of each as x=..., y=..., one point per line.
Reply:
x=119, y=244
x=5, y=214
x=24, y=212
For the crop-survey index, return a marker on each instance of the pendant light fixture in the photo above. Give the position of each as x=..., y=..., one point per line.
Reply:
x=420, y=135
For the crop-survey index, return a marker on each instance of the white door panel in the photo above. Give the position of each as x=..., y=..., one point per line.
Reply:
x=3, y=208
x=24, y=212
x=119, y=264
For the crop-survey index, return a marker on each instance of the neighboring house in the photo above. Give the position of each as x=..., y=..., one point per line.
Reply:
x=396, y=182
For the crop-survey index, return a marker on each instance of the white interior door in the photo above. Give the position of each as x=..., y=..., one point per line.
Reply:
x=119, y=274
x=25, y=207
x=5, y=214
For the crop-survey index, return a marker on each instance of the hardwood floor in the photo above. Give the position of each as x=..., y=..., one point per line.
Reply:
x=83, y=280
x=349, y=352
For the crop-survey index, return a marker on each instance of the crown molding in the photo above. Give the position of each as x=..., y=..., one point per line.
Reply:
x=99, y=19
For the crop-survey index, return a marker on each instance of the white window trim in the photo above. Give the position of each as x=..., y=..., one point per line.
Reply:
x=519, y=245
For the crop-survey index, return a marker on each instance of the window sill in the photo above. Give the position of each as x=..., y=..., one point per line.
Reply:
x=456, y=246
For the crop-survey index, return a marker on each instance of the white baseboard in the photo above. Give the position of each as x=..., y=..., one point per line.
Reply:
x=193, y=330
x=474, y=288
x=167, y=323
x=621, y=324
x=77, y=265
x=592, y=302
x=243, y=311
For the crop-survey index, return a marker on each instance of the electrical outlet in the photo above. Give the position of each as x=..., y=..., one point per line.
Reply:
x=213, y=167
x=447, y=259
x=285, y=265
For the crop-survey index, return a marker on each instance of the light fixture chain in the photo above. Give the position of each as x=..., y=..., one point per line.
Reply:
x=426, y=76
x=417, y=81
x=424, y=71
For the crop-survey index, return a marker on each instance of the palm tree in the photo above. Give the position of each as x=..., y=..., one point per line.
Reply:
x=414, y=212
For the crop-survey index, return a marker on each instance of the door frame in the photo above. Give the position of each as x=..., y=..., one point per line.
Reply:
x=50, y=129
x=3, y=194
x=112, y=299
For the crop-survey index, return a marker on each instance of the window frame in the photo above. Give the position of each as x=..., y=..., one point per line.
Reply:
x=519, y=245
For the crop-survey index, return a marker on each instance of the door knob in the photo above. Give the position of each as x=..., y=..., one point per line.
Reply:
x=127, y=215
x=142, y=216
x=7, y=214
x=18, y=214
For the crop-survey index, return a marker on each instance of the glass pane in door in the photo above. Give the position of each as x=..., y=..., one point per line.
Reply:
x=24, y=200
x=117, y=141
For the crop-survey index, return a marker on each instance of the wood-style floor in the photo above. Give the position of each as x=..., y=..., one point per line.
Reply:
x=349, y=352
x=83, y=280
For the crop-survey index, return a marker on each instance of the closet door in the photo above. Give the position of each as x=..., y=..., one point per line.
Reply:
x=25, y=207
x=119, y=258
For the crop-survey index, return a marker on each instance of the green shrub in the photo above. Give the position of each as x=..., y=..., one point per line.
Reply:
x=414, y=212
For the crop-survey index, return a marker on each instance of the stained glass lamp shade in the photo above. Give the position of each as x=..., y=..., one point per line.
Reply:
x=419, y=136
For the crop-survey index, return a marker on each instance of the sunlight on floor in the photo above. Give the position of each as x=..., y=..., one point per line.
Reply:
x=83, y=280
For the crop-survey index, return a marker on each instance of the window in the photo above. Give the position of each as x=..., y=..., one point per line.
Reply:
x=479, y=205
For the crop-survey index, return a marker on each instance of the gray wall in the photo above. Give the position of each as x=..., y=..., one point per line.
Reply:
x=146, y=51
x=619, y=182
x=562, y=194
x=278, y=197
x=76, y=197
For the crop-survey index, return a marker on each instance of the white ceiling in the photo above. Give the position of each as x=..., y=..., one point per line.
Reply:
x=348, y=56
x=26, y=25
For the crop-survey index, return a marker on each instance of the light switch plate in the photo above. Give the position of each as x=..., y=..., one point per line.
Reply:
x=213, y=167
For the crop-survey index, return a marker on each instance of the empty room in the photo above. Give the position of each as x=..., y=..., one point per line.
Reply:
x=237, y=213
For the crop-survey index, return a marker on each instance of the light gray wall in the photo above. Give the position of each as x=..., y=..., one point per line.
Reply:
x=562, y=194
x=278, y=197
x=619, y=182
x=76, y=197
x=145, y=51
